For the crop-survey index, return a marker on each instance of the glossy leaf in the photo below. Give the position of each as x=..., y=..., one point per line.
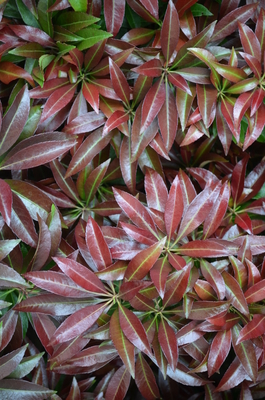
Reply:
x=145, y=380
x=10, y=72
x=219, y=350
x=5, y=201
x=173, y=208
x=97, y=245
x=235, y=294
x=170, y=31
x=152, y=103
x=245, y=351
x=168, y=343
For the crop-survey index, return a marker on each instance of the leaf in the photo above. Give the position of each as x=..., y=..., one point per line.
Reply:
x=85, y=123
x=97, y=245
x=238, y=177
x=168, y=119
x=38, y=150
x=119, y=82
x=5, y=202
x=25, y=390
x=234, y=375
x=229, y=23
x=91, y=146
x=145, y=380
x=206, y=97
x=10, y=361
x=118, y=384
x=151, y=68
x=26, y=14
x=134, y=330
x=217, y=212
x=152, y=103
x=75, y=20
x=255, y=293
x=31, y=34
x=77, y=323
x=213, y=276
x=176, y=286
x=173, y=208
x=115, y=120
x=235, y=294
x=135, y=210
x=168, y=343
x=197, y=211
x=156, y=190
x=159, y=273
x=219, y=350
x=170, y=31
x=124, y=347
x=10, y=72
x=183, y=375
x=14, y=120
x=48, y=88
x=44, y=328
x=245, y=351
x=249, y=41
x=253, y=329
x=58, y=99
x=79, y=5
x=51, y=304
x=93, y=355
x=91, y=95
x=141, y=264
x=114, y=15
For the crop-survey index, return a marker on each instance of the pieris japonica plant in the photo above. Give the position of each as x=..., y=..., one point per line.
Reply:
x=132, y=199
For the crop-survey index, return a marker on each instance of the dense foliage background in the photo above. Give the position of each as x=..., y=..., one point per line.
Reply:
x=132, y=199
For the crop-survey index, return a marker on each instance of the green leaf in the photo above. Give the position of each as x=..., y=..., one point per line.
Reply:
x=199, y=10
x=91, y=36
x=45, y=17
x=26, y=15
x=74, y=21
x=79, y=5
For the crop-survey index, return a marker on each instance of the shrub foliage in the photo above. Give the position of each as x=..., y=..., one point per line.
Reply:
x=132, y=199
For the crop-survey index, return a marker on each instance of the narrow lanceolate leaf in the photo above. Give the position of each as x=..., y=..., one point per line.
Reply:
x=93, y=355
x=234, y=294
x=219, y=350
x=249, y=41
x=245, y=351
x=11, y=388
x=207, y=97
x=92, y=145
x=48, y=88
x=44, y=328
x=135, y=210
x=170, y=31
x=114, y=14
x=43, y=246
x=5, y=201
x=77, y=323
x=197, y=211
x=151, y=68
x=174, y=208
x=94, y=180
x=119, y=82
x=81, y=275
x=38, y=150
x=152, y=103
x=118, y=385
x=58, y=99
x=184, y=102
x=156, y=190
x=217, y=213
x=168, y=342
x=233, y=74
x=10, y=72
x=223, y=130
x=213, y=276
x=128, y=167
x=10, y=361
x=141, y=264
x=14, y=120
x=91, y=95
x=187, y=188
x=183, y=375
x=229, y=23
x=123, y=345
x=234, y=375
x=134, y=330
x=97, y=245
x=85, y=123
x=256, y=292
x=238, y=177
x=176, y=286
x=168, y=119
x=159, y=274
x=145, y=379
x=115, y=120
x=253, y=329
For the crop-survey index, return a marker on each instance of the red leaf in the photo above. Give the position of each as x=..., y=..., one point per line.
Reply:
x=152, y=103
x=58, y=99
x=77, y=323
x=187, y=188
x=124, y=347
x=10, y=72
x=176, y=286
x=43, y=247
x=92, y=145
x=183, y=5
x=97, y=245
x=256, y=292
x=85, y=123
x=119, y=82
x=156, y=190
x=229, y=23
x=14, y=120
x=168, y=119
x=206, y=97
x=219, y=350
x=25, y=390
x=44, y=328
x=141, y=264
x=242, y=103
x=8, y=324
x=81, y=275
x=256, y=125
x=115, y=120
x=238, y=177
x=168, y=343
x=234, y=294
x=91, y=94
x=67, y=185
x=5, y=201
x=159, y=273
x=48, y=88
x=170, y=31
x=151, y=68
x=31, y=34
x=213, y=276
x=174, y=208
x=145, y=380
x=234, y=375
x=134, y=330
x=245, y=351
x=223, y=129
x=178, y=81
x=114, y=14
x=249, y=41
x=118, y=385
x=138, y=234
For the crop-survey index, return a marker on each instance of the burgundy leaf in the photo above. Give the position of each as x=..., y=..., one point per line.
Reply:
x=245, y=351
x=85, y=123
x=97, y=245
x=156, y=190
x=119, y=82
x=168, y=342
x=58, y=99
x=168, y=119
x=118, y=385
x=91, y=94
x=176, y=286
x=213, y=276
x=238, y=177
x=127, y=165
x=152, y=103
x=44, y=328
x=219, y=350
x=10, y=72
x=159, y=273
x=235, y=294
x=25, y=390
x=249, y=41
x=173, y=208
x=5, y=201
x=145, y=379
x=169, y=31
x=114, y=14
